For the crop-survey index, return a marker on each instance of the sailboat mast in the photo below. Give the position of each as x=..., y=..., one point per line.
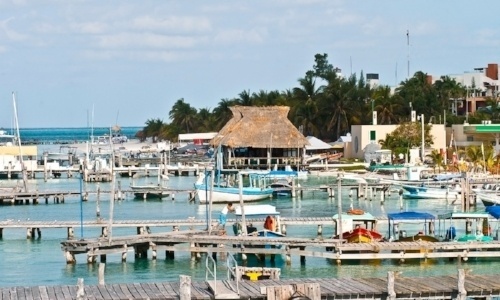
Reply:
x=16, y=121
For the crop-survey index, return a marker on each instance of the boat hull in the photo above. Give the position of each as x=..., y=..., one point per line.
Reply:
x=488, y=199
x=230, y=194
x=149, y=192
x=362, y=235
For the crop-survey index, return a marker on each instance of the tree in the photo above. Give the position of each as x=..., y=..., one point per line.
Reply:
x=222, y=113
x=386, y=105
x=437, y=159
x=153, y=128
x=183, y=115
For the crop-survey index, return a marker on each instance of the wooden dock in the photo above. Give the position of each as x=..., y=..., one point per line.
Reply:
x=397, y=287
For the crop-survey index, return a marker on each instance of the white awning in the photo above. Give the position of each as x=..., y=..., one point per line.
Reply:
x=197, y=136
x=317, y=144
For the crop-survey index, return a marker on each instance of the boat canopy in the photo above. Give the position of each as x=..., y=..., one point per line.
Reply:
x=464, y=215
x=253, y=210
x=410, y=215
x=366, y=216
x=494, y=211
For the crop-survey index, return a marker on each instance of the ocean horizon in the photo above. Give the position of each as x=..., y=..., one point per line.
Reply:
x=68, y=135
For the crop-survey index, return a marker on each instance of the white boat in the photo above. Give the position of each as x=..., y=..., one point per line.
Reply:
x=488, y=199
x=271, y=228
x=223, y=193
x=150, y=191
x=426, y=192
x=13, y=156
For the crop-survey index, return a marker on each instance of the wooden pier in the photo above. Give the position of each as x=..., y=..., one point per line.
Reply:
x=459, y=286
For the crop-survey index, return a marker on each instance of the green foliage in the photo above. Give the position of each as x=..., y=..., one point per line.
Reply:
x=326, y=105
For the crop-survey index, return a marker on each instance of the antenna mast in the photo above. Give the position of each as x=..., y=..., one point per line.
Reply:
x=408, y=44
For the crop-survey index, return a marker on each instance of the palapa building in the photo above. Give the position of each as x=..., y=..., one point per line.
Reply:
x=260, y=137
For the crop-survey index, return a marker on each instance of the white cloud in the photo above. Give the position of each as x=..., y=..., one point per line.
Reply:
x=9, y=33
x=90, y=27
x=144, y=40
x=172, y=23
x=252, y=36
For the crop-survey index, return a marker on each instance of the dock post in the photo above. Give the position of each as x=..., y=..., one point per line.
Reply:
x=9, y=170
x=294, y=194
x=185, y=287
x=102, y=267
x=39, y=232
x=390, y=286
x=193, y=254
x=288, y=258
x=153, y=251
x=90, y=257
x=71, y=233
x=400, y=200
x=124, y=253
x=302, y=257
x=366, y=191
x=462, y=292
x=320, y=229
x=70, y=257
x=283, y=228
x=1, y=233
x=382, y=197
x=243, y=254
x=172, y=196
x=80, y=292
x=97, y=208
x=30, y=233
x=45, y=174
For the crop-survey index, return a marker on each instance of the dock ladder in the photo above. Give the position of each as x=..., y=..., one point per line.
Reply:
x=223, y=289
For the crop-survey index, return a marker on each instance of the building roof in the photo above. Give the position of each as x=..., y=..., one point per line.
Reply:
x=197, y=136
x=317, y=144
x=260, y=127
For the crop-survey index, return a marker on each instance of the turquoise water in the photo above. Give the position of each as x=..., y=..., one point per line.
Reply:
x=41, y=261
x=67, y=135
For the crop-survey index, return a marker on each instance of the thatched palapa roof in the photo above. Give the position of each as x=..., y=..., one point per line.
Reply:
x=260, y=127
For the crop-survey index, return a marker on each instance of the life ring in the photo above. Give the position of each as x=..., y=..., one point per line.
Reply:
x=355, y=211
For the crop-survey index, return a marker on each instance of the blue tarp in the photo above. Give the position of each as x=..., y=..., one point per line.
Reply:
x=411, y=215
x=494, y=211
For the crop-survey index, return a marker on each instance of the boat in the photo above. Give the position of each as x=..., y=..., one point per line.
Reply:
x=488, y=198
x=428, y=192
x=421, y=222
x=224, y=192
x=150, y=191
x=358, y=226
x=474, y=225
x=271, y=227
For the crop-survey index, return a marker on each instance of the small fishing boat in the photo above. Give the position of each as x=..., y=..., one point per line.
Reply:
x=466, y=221
x=421, y=222
x=271, y=227
x=224, y=192
x=427, y=192
x=150, y=191
x=358, y=226
x=488, y=198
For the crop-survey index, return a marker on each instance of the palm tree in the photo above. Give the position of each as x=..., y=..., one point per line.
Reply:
x=222, y=113
x=153, y=128
x=183, y=115
x=386, y=105
x=305, y=98
x=474, y=155
x=437, y=159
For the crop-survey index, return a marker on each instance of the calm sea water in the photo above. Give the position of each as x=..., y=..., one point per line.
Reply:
x=41, y=261
x=68, y=135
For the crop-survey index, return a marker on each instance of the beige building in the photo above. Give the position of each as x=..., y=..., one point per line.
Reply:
x=362, y=135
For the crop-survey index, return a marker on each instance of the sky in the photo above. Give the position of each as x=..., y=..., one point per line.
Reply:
x=84, y=63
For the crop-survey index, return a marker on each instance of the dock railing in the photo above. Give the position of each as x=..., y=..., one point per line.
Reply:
x=211, y=271
x=233, y=272
x=233, y=276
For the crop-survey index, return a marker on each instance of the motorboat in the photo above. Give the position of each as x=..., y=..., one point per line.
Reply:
x=224, y=192
x=428, y=192
x=488, y=198
x=358, y=226
x=421, y=222
x=474, y=226
x=271, y=227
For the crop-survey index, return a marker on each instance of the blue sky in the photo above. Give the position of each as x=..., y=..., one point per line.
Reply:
x=129, y=61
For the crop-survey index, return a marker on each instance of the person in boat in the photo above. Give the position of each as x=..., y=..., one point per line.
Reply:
x=270, y=223
x=223, y=214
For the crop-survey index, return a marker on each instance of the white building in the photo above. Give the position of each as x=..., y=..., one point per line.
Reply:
x=203, y=138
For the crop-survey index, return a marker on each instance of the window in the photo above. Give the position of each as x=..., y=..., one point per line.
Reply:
x=470, y=138
x=372, y=135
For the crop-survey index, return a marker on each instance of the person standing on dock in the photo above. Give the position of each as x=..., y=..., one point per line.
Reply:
x=223, y=214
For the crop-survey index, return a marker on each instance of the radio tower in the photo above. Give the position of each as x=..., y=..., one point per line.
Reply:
x=408, y=44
